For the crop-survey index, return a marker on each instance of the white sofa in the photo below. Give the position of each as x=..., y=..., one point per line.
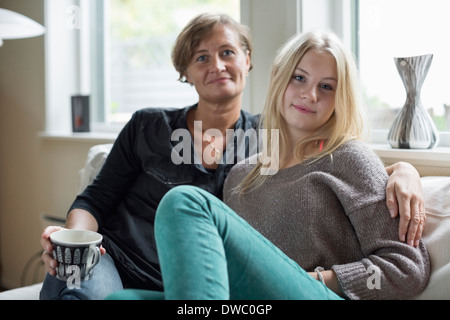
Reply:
x=436, y=234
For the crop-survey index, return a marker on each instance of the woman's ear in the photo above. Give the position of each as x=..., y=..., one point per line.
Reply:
x=187, y=79
x=249, y=61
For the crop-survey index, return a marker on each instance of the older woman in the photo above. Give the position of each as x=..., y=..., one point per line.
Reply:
x=212, y=53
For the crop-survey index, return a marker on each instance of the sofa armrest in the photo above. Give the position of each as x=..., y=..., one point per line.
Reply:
x=94, y=162
x=436, y=235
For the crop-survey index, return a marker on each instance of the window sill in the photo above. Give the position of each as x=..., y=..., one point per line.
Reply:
x=437, y=157
x=93, y=137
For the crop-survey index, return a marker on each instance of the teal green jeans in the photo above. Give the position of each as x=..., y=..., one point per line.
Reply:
x=207, y=251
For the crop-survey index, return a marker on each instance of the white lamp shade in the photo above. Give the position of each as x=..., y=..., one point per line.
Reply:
x=16, y=26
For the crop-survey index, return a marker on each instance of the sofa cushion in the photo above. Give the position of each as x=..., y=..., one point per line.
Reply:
x=436, y=236
x=94, y=162
x=24, y=293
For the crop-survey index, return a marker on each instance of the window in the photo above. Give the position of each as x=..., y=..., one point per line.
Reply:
x=118, y=52
x=403, y=28
x=132, y=54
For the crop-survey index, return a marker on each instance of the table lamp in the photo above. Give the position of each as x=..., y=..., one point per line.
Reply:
x=16, y=26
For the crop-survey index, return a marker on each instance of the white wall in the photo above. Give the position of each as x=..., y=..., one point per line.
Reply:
x=37, y=175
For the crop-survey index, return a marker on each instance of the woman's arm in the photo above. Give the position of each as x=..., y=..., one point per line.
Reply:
x=399, y=270
x=330, y=280
x=116, y=176
x=404, y=197
x=100, y=197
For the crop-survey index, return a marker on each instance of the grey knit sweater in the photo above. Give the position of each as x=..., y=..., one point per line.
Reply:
x=332, y=213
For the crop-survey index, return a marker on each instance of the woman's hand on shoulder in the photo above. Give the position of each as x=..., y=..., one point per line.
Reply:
x=404, y=197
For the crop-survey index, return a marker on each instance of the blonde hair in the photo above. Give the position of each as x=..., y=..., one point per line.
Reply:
x=348, y=120
x=199, y=29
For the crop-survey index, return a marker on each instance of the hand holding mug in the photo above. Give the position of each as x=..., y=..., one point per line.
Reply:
x=47, y=257
x=77, y=253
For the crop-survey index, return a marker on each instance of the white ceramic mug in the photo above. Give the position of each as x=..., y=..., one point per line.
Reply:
x=77, y=253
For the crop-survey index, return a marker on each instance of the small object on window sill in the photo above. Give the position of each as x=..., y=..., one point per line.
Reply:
x=80, y=113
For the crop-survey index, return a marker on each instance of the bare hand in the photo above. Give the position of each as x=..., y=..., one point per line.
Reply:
x=404, y=196
x=47, y=256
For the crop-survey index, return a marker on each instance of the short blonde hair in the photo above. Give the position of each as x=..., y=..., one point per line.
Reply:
x=199, y=29
x=348, y=120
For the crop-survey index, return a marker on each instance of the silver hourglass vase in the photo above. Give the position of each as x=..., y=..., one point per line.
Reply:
x=413, y=127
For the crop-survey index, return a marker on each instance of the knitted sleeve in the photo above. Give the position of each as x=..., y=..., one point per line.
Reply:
x=390, y=269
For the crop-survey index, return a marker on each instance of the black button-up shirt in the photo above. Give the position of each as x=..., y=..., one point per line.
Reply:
x=137, y=173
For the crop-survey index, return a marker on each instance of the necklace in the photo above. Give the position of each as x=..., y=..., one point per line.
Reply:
x=210, y=150
x=215, y=153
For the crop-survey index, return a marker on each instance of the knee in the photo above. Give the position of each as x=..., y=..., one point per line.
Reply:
x=176, y=197
x=175, y=201
x=179, y=193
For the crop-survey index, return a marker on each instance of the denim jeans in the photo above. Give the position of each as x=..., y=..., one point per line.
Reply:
x=104, y=281
x=207, y=251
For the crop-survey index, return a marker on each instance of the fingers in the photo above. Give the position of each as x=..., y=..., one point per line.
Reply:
x=405, y=218
x=49, y=230
x=412, y=221
x=405, y=204
x=47, y=257
x=391, y=199
x=49, y=262
x=410, y=208
x=45, y=238
x=420, y=229
x=404, y=198
x=416, y=225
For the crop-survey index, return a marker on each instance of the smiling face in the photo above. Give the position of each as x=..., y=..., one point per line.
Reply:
x=219, y=67
x=309, y=98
